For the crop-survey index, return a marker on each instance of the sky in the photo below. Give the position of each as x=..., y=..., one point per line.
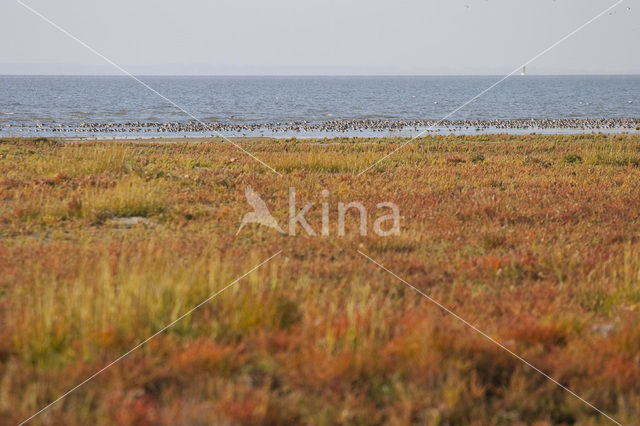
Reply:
x=313, y=37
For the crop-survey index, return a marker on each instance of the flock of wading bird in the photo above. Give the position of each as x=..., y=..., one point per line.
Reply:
x=335, y=126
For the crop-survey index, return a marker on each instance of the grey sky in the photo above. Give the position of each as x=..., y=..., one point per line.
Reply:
x=319, y=37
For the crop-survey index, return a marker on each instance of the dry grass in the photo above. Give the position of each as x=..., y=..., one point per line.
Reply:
x=532, y=238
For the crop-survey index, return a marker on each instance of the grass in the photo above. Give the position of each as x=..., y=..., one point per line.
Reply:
x=531, y=238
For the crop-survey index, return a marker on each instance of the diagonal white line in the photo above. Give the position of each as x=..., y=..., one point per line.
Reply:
x=190, y=311
x=491, y=339
x=572, y=33
x=124, y=71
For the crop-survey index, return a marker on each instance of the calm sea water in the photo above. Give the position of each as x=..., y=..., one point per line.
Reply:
x=30, y=100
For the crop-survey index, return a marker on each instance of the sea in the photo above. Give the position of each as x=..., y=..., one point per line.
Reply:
x=34, y=105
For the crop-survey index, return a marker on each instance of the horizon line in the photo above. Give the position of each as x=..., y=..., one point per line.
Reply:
x=320, y=75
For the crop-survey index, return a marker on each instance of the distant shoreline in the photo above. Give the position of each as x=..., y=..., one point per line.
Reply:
x=498, y=75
